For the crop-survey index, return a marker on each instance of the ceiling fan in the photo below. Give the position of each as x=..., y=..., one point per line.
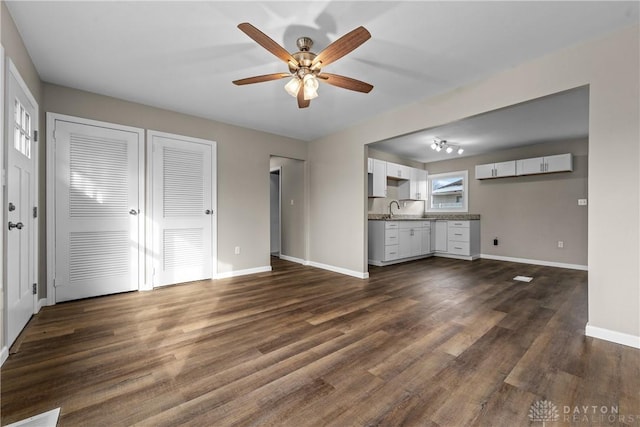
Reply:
x=305, y=67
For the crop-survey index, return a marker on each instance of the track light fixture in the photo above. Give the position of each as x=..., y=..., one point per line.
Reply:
x=442, y=144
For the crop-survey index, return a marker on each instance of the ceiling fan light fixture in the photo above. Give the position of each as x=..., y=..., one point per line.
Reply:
x=293, y=86
x=310, y=83
x=460, y=150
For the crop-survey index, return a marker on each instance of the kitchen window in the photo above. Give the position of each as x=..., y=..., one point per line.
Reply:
x=448, y=192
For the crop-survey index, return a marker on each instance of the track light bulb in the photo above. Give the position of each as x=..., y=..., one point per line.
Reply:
x=460, y=151
x=449, y=150
x=433, y=145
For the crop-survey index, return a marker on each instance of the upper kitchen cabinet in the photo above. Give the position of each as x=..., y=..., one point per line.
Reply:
x=547, y=164
x=416, y=187
x=496, y=170
x=398, y=171
x=377, y=178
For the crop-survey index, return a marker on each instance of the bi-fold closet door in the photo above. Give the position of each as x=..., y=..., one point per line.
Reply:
x=115, y=227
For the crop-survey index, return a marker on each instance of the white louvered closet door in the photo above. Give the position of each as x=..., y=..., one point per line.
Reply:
x=97, y=207
x=183, y=208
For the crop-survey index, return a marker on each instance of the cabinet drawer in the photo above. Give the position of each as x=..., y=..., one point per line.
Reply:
x=391, y=252
x=391, y=237
x=459, y=248
x=391, y=224
x=464, y=224
x=458, y=234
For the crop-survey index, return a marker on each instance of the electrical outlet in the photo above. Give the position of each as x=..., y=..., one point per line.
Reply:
x=560, y=244
x=495, y=242
x=237, y=251
x=291, y=202
x=582, y=202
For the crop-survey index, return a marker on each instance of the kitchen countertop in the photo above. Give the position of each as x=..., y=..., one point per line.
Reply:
x=426, y=217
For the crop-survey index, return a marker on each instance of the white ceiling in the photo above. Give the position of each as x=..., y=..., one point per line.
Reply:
x=183, y=56
x=551, y=118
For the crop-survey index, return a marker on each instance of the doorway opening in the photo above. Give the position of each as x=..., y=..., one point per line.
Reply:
x=287, y=210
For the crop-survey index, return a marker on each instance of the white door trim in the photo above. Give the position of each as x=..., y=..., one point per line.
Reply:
x=51, y=195
x=214, y=201
x=4, y=351
x=279, y=170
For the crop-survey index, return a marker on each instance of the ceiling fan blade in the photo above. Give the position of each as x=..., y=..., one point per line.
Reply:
x=260, y=79
x=302, y=103
x=342, y=46
x=345, y=82
x=266, y=42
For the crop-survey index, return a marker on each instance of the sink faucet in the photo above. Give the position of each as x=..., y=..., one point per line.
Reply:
x=392, y=202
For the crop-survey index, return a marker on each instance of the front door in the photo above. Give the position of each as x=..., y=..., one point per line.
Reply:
x=97, y=210
x=21, y=206
x=182, y=187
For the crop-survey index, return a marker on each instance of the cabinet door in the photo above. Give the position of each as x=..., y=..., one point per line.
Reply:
x=426, y=241
x=441, y=236
x=404, y=244
x=559, y=163
x=420, y=177
x=530, y=166
x=484, y=171
x=378, y=179
x=416, y=241
x=505, y=169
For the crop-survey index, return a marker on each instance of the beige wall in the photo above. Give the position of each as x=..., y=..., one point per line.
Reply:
x=610, y=66
x=292, y=178
x=243, y=166
x=530, y=214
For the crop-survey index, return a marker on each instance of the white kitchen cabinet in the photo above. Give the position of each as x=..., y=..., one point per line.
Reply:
x=547, y=164
x=369, y=165
x=426, y=238
x=416, y=187
x=396, y=241
x=496, y=170
x=442, y=239
x=383, y=241
x=377, y=178
x=397, y=171
x=458, y=239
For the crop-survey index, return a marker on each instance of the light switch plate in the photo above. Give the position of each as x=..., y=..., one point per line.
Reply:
x=582, y=202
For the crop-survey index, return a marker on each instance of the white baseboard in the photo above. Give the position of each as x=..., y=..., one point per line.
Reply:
x=293, y=259
x=41, y=303
x=612, y=336
x=535, y=262
x=4, y=354
x=340, y=270
x=236, y=273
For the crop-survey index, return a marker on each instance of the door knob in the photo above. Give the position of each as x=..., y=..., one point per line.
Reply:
x=208, y=212
x=133, y=212
x=18, y=225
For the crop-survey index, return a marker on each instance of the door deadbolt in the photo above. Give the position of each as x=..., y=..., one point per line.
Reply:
x=208, y=212
x=18, y=225
x=133, y=212
x=12, y=207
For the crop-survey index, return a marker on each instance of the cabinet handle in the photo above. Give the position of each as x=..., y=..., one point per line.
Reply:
x=457, y=234
x=455, y=247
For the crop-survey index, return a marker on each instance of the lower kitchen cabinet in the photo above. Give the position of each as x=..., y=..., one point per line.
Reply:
x=391, y=242
x=397, y=241
x=462, y=239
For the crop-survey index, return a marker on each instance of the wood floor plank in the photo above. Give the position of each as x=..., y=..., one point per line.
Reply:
x=433, y=342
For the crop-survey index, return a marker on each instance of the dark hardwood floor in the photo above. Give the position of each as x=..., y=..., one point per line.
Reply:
x=436, y=342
